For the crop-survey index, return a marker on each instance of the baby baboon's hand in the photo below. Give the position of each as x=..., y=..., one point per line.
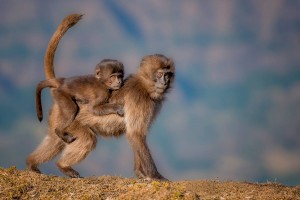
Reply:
x=120, y=110
x=67, y=138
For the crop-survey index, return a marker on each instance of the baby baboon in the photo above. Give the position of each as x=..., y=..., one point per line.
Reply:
x=94, y=90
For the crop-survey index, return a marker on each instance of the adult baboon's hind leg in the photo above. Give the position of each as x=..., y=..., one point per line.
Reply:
x=46, y=151
x=77, y=151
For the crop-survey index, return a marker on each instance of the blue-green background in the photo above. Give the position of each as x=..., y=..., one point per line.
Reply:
x=234, y=111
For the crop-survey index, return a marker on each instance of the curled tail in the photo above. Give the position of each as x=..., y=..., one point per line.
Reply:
x=52, y=83
x=64, y=26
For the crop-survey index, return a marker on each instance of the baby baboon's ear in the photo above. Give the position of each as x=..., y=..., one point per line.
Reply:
x=98, y=73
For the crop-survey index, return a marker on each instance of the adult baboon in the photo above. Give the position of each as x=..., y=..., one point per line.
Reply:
x=142, y=96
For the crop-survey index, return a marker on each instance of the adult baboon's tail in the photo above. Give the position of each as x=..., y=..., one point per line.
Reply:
x=64, y=26
x=52, y=83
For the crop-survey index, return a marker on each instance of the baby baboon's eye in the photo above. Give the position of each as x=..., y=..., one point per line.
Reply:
x=113, y=78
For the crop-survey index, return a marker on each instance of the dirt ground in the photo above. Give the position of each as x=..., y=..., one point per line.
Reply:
x=21, y=184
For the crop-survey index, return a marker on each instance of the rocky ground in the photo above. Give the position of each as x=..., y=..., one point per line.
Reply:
x=22, y=184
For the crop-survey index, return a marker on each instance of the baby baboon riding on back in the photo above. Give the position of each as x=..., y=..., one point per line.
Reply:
x=94, y=90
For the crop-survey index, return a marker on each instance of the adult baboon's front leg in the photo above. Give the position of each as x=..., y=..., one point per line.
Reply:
x=144, y=164
x=138, y=166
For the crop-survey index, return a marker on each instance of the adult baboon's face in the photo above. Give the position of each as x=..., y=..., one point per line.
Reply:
x=162, y=78
x=159, y=70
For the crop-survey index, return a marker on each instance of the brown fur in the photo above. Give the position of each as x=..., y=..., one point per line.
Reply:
x=95, y=90
x=55, y=83
x=142, y=96
x=64, y=26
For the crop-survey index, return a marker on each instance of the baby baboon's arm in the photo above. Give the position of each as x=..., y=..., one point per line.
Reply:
x=100, y=107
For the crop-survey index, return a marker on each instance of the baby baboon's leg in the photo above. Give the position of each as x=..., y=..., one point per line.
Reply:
x=68, y=111
x=77, y=151
x=47, y=150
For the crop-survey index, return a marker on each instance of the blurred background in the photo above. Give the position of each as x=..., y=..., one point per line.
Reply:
x=234, y=111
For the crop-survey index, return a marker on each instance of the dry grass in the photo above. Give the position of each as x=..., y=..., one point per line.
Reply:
x=20, y=184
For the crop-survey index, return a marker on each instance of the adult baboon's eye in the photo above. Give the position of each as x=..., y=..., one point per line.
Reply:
x=159, y=74
x=170, y=74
